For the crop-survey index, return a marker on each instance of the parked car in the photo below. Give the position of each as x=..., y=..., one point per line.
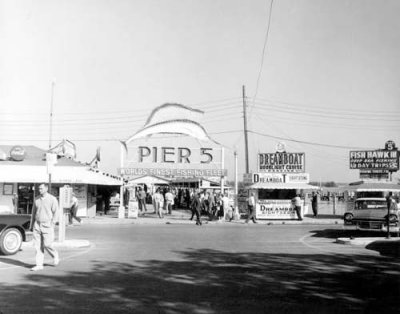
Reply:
x=371, y=214
x=14, y=229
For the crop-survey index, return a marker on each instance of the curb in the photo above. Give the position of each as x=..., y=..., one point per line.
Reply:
x=362, y=241
x=185, y=220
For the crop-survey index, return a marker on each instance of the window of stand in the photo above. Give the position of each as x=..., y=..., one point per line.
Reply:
x=276, y=194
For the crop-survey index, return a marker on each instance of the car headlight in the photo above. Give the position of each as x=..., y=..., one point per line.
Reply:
x=393, y=218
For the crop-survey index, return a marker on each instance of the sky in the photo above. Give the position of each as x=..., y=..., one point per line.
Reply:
x=324, y=81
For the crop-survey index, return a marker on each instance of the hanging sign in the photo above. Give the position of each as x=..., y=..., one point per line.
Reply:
x=264, y=177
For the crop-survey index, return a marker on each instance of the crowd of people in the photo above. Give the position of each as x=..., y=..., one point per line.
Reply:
x=199, y=201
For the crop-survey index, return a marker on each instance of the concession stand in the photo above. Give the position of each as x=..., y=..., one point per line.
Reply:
x=279, y=179
x=274, y=193
x=23, y=168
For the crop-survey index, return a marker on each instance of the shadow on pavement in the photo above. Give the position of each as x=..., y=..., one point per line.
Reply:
x=14, y=262
x=213, y=281
x=387, y=248
x=348, y=232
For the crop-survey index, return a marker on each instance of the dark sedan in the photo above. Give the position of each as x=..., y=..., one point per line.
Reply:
x=13, y=230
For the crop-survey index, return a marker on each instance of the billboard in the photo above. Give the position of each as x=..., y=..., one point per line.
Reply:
x=282, y=162
x=375, y=160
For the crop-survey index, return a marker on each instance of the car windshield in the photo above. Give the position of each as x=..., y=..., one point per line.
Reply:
x=370, y=204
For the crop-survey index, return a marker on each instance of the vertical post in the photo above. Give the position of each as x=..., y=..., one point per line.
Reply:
x=51, y=126
x=121, y=209
x=246, y=141
x=236, y=213
x=334, y=203
x=388, y=220
x=222, y=169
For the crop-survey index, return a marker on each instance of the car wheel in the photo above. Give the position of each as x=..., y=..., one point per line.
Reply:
x=10, y=241
x=348, y=217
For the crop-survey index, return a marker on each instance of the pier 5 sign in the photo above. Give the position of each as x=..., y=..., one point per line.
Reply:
x=174, y=161
x=174, y=155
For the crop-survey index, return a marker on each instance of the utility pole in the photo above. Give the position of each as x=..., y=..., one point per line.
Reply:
x=246, y=141
x=51, y=126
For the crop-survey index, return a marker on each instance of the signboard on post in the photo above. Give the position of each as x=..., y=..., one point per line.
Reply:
x=282, y=162
x=64, y=205
x=263, y=177
x=385, y=160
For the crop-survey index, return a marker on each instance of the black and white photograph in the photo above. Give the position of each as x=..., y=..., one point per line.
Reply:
x=199, y=156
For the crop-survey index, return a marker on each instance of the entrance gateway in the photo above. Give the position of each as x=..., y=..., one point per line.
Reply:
x=172, y=145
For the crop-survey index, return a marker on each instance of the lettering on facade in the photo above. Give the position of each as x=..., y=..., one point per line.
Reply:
x=173, y=155
x=126, y=172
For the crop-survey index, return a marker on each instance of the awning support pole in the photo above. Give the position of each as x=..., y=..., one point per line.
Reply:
x=121, y=209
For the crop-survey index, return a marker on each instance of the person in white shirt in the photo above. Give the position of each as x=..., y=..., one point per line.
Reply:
x=73, y=210
x=44, y=217
x=158, y=200
x=296, y=201
x=251, y=205
x=169, y=201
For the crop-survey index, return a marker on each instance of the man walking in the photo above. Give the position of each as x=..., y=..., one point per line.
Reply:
x=314, y=203
x=158, y=200
x=251, y=205
x=196, y=207
x=44, y=216
x=142, y=200
x=169, y=201
x=296, y=201
x=74, y=210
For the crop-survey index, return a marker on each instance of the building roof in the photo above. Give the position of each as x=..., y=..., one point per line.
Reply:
x=36, y=156
x=373, y=186
x=148, y=180
x=33, y=169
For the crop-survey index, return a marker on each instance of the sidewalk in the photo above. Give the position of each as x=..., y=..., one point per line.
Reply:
x=182, y=216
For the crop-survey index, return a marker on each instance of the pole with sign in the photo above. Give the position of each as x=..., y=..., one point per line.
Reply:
x=64, y=205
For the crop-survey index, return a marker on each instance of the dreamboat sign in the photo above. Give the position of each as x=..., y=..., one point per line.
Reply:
x=172, y=143
x=278, y=171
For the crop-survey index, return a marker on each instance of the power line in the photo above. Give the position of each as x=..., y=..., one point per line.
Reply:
x=337, y=115
x=212, y=104
x=264, y=48
x=106, y=139
x=355, y=125
x=306, y=142
x=326, y=109
x=218, y=112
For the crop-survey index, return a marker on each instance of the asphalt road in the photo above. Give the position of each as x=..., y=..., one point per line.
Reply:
x=220, y=268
